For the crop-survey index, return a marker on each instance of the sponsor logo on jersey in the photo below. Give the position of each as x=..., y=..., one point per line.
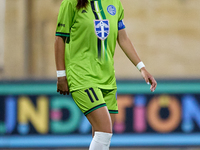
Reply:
x=102, y=28
x=111, y=10
x=61, y=25
x=84, y=11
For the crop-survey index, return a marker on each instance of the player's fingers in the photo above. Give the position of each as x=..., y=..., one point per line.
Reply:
x=153, y=84
x=146, y=80
x=68, y=92
x=152, y=88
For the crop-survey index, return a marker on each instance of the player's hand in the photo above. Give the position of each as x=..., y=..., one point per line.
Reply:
x=62, y=86
x=149, y=79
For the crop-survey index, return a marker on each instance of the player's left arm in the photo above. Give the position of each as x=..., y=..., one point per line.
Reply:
x=128, y=48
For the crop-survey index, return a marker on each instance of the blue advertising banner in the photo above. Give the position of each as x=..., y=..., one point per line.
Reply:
x=35, y=115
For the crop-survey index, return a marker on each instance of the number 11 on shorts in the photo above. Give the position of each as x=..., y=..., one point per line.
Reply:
x=89, y=95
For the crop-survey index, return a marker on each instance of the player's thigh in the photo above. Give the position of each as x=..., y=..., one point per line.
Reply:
x=100, y=120
x=88, y=99
x=92, y=104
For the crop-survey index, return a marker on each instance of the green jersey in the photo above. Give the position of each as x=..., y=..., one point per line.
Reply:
x=92, y=35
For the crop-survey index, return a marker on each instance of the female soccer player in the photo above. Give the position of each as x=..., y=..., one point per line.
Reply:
x=86, y=35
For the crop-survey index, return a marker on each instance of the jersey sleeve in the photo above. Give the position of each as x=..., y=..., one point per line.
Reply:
x=121, y=24
x=65, y=19
x=121, y=11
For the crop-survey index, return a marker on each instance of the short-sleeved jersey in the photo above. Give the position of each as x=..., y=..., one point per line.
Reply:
x=93, y=33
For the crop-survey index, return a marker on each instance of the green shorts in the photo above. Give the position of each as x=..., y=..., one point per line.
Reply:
x=91, y=99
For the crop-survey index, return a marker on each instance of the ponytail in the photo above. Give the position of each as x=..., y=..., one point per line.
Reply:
x=82, y=4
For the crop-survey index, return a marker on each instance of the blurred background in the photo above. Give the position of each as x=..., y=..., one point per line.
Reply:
x=166, y=34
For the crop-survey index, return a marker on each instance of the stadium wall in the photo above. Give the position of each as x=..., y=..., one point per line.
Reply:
x=166, y=35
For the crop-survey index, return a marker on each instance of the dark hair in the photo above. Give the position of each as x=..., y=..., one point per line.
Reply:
x=82, y=4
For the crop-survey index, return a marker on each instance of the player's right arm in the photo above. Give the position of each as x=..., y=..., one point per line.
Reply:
x=64, y=24
x=59, y=46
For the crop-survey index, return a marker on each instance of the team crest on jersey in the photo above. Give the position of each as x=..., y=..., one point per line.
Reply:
x=102, y=28
x=111, y=10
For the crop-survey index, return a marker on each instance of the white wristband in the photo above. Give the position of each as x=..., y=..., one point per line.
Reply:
x=61, y=73
x=140, y=65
